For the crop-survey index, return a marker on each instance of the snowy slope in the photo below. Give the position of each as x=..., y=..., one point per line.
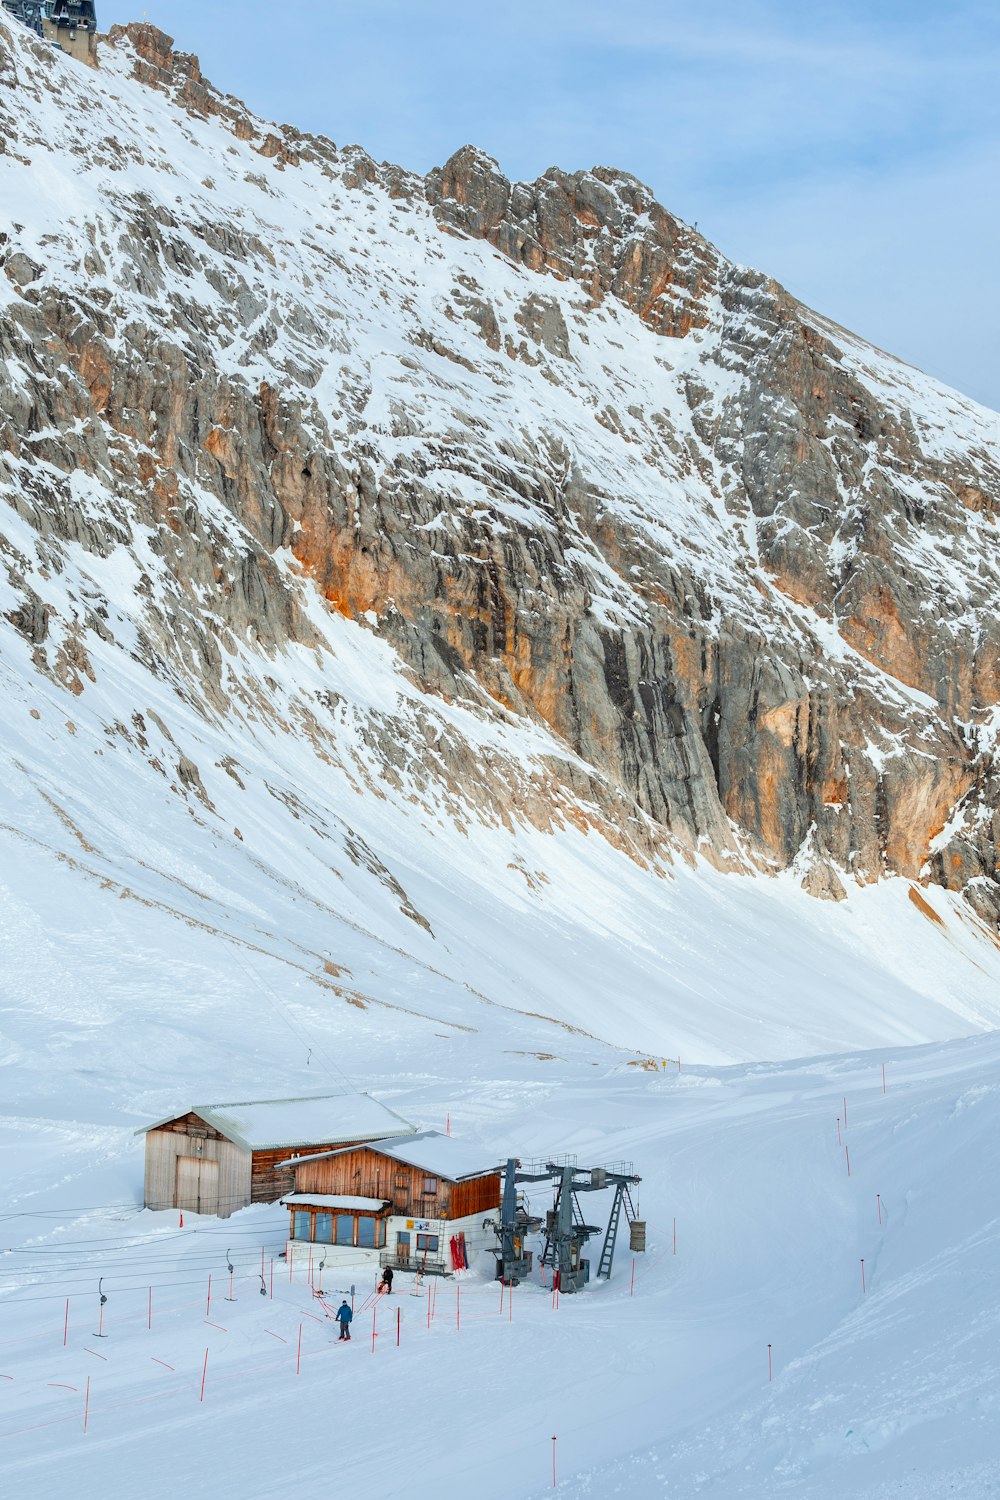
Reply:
x=245, y=857
x=657, y=1386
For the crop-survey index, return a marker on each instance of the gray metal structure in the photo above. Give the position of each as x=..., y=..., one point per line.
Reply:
x=62, y=14
x=566, y=1230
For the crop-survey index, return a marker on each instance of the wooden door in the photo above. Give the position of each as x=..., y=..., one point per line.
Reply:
x=197, y=1184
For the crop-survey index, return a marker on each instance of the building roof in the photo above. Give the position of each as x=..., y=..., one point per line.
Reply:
x=311, y=1120
x=436, y=1154
x=336, y=1200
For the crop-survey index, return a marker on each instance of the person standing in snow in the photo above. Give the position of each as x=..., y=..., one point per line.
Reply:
x=386, y=1280
x=344, y=1316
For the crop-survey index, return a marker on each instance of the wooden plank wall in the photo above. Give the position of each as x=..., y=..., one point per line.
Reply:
x=364, y=1172
x=164, y=1146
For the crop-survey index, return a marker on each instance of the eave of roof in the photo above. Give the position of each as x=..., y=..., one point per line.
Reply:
x=433, y=1171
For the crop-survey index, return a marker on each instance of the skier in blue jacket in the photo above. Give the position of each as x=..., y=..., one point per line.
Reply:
x=344, y=1316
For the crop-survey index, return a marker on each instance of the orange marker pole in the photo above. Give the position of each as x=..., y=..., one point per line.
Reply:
x=66, y=1324
x=204, y=1372
x=86, y=1405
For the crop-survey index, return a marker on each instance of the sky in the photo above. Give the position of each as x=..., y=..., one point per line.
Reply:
x=852, y=151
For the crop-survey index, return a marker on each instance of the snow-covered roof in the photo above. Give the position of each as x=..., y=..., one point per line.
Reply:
x=438, y=1155
x=336, y=1200
x=313, y=1119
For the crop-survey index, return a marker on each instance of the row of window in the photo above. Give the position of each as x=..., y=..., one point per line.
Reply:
x=362, y=1231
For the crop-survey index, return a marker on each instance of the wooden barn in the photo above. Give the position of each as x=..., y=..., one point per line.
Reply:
x=216, y=1158
x=414, y=1203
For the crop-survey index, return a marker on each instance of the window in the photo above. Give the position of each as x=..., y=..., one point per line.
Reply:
x=324, y=1229
x=345, y=1229
x=301, y=1225
x=366, y=1231
x=430, y=1184
x=428, y=1242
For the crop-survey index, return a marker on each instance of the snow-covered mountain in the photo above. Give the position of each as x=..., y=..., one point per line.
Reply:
x=473, y=641
x=413, y=578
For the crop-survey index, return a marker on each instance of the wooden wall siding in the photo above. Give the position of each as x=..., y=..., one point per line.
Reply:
x=253, y=1181
x=191, y=1124
x=267, y=1184
x=481, y=1195
x=163, y=1147
x=365, y=1173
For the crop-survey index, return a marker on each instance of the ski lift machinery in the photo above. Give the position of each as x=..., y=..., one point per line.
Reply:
x=566, y=1231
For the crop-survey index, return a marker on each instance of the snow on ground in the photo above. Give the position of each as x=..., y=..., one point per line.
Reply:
x=302, y=923
x=662, y=1390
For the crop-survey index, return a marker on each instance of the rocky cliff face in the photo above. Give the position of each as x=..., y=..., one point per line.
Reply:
x=734, y=568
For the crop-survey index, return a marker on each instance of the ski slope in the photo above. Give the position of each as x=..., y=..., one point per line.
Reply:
x=653, y=1387
x=293, y=869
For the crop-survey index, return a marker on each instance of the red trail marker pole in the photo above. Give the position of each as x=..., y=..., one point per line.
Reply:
x=553, y=1463
x=66, y=1324
x=863, y=1287
x=86, y=1405
x=208, y=1304
x=847, y=1155
x=883, y=1078
x=428, y=1307
x=839, y=1141
x=878, y=1203
x=769, y=1370
x=501, y=1296
x=204, y=1372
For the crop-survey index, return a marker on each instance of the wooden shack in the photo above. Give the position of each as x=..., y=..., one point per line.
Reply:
x=216, y=1158
x=416, y=1203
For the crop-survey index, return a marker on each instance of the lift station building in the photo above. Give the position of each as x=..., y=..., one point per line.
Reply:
x=216, y=1158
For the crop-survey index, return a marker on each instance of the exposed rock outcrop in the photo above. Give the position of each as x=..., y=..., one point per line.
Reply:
x=572, y=464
